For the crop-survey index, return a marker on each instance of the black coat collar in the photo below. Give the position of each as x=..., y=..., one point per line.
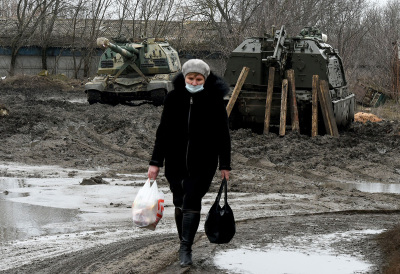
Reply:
x=214, y=85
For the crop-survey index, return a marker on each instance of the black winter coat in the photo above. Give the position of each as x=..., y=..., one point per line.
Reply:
x=193, y=134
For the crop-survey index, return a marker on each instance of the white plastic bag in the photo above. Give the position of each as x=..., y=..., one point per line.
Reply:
x=148, y=206
x=160, y=211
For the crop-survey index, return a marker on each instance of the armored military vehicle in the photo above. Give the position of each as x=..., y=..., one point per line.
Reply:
x=133, y=71
x=307, y=54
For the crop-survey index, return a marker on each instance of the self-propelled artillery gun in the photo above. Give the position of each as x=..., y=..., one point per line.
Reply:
x=307, y=54
x=133, y=72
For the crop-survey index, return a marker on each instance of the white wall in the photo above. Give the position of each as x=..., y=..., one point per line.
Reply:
x=32, y=65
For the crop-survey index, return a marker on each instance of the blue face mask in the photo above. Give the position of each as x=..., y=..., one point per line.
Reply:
x=194, y=89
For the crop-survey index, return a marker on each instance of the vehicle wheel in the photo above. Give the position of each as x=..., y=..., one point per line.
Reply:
x=109, y=98
x=158, y=96
x=93, y=96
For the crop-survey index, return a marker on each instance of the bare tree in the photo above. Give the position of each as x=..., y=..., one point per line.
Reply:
x=382, y=51
x=128, y=10
x=46, y=27
x=122, y=12
x=229, y=18
x=155, y=17
x=98, y=9
x=86, y=25
x=8, y=8
x=29, y=15
x=75, y=39
x=165, y=15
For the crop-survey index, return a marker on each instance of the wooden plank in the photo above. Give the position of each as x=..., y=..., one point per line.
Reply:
x=268, y=103
x=237, y=89
x=321, y=99
x=294, y=113
x=327, y=109
x=314, y=115
x=282, y=125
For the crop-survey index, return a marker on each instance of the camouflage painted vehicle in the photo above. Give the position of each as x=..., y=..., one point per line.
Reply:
x=133, y=71
x=307, y=54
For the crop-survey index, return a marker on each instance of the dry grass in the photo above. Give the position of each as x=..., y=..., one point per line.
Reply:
x=389, y=111
x=389, y=242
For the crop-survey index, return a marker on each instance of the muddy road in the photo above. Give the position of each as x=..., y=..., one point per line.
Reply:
x=284, y=191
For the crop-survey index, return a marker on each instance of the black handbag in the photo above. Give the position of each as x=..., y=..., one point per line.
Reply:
x=220, y=223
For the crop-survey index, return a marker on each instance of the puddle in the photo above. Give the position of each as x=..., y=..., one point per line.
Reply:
x=47, y=200
x=278, y=262
x=372, y=187
x=377, y=187
x=301, y=258
x=20, y=221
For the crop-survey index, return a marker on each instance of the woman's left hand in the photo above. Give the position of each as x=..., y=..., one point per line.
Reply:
x=225, y=174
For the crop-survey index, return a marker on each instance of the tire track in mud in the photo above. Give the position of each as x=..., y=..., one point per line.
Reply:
x=158, y=253
x=285, y=231
x=140, y=255
x=139, y=135
x=137, y=152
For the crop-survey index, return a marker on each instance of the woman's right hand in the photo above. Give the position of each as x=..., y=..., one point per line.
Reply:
x=225, y=174
x=153, y=172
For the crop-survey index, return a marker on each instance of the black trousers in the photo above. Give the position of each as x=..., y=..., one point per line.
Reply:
x=188, y=193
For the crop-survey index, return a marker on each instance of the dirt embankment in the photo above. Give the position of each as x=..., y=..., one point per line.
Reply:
x=55, y=126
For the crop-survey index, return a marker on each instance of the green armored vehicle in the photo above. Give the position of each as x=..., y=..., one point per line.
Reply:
x=307, y=54
x=133, y=71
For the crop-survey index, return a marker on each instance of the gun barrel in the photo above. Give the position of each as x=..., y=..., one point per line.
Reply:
x=122, y=51
x=128, y=51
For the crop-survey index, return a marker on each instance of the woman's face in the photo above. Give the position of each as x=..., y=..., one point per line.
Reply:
x=194, y=79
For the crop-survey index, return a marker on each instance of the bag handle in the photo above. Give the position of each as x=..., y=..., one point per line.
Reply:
x=223, y=184
x=226, y=190
x=149, y=180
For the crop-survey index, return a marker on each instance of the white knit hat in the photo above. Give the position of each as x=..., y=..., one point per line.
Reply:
x=196, y=65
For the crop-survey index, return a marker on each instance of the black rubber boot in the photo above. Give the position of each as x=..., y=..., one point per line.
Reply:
x=178, y=221
x=190, y=223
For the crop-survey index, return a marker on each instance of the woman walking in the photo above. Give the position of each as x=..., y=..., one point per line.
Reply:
x=192, y=138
